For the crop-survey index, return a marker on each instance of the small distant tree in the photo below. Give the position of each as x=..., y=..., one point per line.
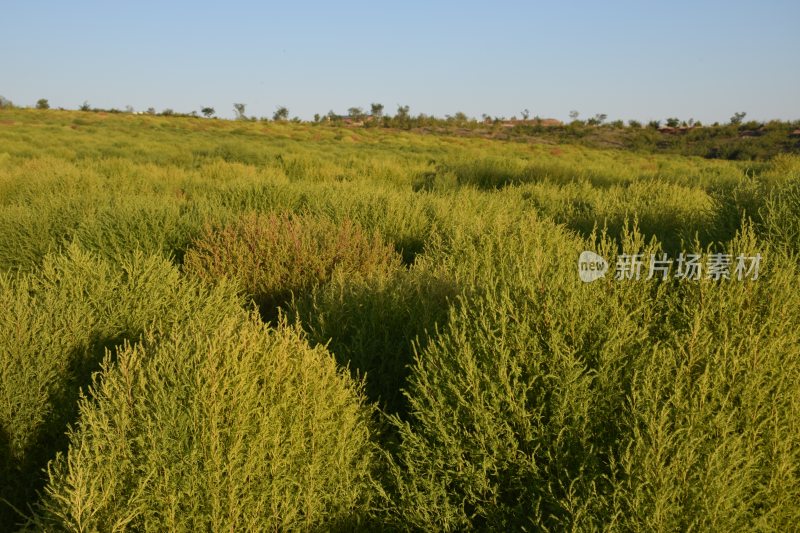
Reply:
x=42, y=103
x=208, y=112
x=239, y=110
x=151, y=110
x=280, y=114
x=673, y=122
x=654, y=124
x=525, y=114
x=403, y=112
x=737, y=118
x=85, y=106
x=129, y=109
x=634, y=124
x=5, y=103
x=168, y=112
x=597, y=120
x=376, y=110
x=356, y=113
x=317, y=118
x=573, y=115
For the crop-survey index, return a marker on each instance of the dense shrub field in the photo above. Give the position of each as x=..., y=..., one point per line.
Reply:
x=232, y=326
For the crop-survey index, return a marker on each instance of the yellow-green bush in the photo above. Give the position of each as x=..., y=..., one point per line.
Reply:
x=215, y=425
x=371, y=324
x=514, y=407
x=670, y=212
x=53, y=332
x=713, y=437
x=627, y=405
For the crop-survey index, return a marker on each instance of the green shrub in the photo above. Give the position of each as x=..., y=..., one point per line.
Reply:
x=549, y=404
x=139, y=224
x=781, y=217
x=53, y=333
x=219, y=424
x=714, y=439
x=371, y=325
x=670, y=212
x=514, y=405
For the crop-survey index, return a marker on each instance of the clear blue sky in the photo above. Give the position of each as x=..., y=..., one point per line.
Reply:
x=633, y=59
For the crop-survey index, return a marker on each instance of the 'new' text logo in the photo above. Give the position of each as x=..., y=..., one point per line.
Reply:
x=591, y=266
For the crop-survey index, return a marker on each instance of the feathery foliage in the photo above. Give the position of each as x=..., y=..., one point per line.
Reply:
x=426, y=356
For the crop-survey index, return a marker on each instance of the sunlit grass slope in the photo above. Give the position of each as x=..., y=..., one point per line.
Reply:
x=243, y=326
